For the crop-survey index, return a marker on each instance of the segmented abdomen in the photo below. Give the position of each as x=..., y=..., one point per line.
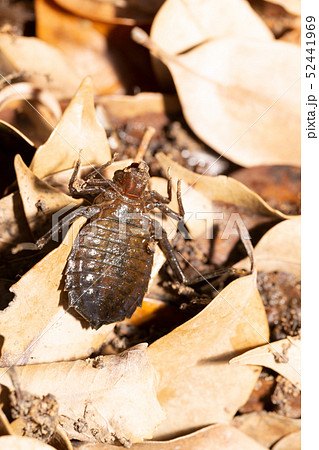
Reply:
x=108, y=271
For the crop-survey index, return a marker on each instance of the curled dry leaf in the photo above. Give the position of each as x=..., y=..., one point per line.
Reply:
x=104, y=399
x=77, y=130
x=80, y=41
x=241, y=113
x=12, y=142
x=284, y=357
x=290, y=442
x=48, y=67
x=40, y=200
x=27, y=91
x=279, y=249
x=37, y=314
x=22, y=443
x=208, y=19
x=5, y=428
x=197, y=385
x=217, y=437
x=266, y=427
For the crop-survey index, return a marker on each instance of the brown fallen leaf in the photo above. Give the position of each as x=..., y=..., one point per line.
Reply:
x=284, y=357
x=33, y=118
x=290, y=442
x=266, y=427
x=81, y=41
x=13, y=224
x=279, y=249
x=217, y=437
x=234, y=109
x=219, y=188
x=125, y=107
x=121, y=12
x=197, y=385
x=22, y=443
x=106, y=399
x=279, y=186
x=37, y=315
x=77, y=130
x=5, y=428
x=293, y=6
x=12, y=142
x=209, y=19
x=50, y=69
x=40, y=200
x=214, y=203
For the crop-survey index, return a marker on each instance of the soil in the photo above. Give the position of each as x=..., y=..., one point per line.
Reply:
x=281, y=296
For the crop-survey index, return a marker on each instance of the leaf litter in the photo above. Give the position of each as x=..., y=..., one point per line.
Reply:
x=193, y=335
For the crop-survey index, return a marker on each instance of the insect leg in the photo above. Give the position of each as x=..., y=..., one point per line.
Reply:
x=168, y=251
x=158, y=197
x=176, y=268
x=165, y=209
x=90, y=186
x=86, y=211
x=168, y=211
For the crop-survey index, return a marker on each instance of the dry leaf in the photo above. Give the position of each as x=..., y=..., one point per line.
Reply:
x=266, y=427
x=279, y=249
x=5, y=428
x=217, y=437
x=236, y=96
x=37, y=315
x=290, y=442
x=197, y=385
x=121, y=12
x=207, y=19
x=81, y=42
x=293, y=6
x=104, y=399
x=47, y=66
x=40, y=200
x=13, y=225
x=282, y=356
x=209, y=203
x=219, y=188
x=77, y=130
x=12, y=142
x=22, y=443
x=128, y=106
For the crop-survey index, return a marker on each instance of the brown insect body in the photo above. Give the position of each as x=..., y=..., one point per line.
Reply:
x=110, y=264
x=108, y=270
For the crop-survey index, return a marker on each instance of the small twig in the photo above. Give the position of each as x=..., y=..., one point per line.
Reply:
x=149, y=133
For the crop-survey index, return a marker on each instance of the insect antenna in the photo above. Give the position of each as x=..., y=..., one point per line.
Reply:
x=97, y=171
